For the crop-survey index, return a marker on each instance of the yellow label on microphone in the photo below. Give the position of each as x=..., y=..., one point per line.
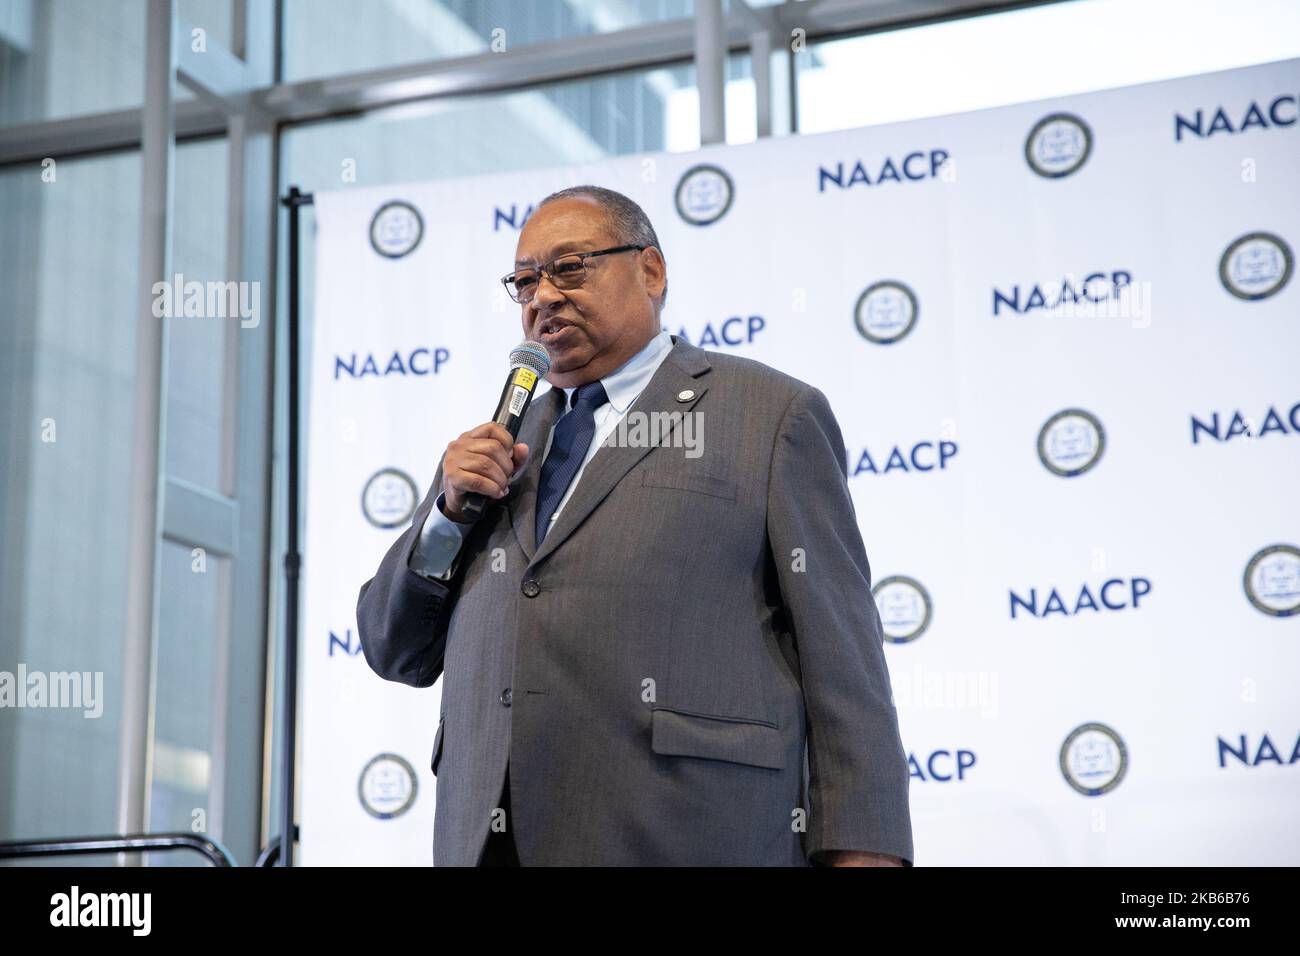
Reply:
x=526, y=377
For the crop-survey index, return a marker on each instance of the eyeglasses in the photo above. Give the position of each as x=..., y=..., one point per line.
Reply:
x=566, y=272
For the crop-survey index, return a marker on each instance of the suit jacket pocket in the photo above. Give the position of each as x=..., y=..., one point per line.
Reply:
x=737, y=740
x=437, y=747
x=701, y=482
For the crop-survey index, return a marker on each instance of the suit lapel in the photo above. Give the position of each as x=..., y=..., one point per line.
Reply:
x=677, y=373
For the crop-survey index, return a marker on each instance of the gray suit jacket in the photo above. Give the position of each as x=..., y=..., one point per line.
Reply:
x=688, y=671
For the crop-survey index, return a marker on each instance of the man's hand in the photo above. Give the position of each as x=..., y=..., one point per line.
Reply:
x=856, y=858
x=480, y=460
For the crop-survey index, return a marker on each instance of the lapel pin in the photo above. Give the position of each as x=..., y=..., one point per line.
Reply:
x=685, y=395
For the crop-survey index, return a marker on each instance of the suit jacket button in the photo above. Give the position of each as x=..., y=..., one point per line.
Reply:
x=506, y=697
x=531, y=588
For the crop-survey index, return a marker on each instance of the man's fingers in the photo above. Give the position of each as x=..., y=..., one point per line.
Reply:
x=471, y=482
x=492, y=430
x=483, y=459
x=485, y=468
x=489, y=448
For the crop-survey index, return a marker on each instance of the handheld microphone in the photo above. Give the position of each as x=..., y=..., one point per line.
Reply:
x=529, y=362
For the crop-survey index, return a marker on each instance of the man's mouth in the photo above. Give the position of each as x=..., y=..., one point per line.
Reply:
x=551, y=328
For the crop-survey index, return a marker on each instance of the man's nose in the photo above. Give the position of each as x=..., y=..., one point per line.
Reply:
x=546, y=294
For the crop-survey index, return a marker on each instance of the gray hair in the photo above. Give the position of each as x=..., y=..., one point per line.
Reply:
x=626, y=220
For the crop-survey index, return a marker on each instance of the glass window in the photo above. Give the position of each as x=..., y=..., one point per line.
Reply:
x=188, y=709
x=61, y=58
x=1016, y=57
x=214, y=17
x=67, y=365
x=564, y=123
x=197, y=345
x=329, y=37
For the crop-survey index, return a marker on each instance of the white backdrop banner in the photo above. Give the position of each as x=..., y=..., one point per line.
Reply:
x=1062, y=339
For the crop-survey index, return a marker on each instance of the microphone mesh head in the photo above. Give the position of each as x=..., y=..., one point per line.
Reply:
x=531, y=355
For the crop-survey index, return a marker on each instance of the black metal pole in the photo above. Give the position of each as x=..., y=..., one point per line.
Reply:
x=292, y=559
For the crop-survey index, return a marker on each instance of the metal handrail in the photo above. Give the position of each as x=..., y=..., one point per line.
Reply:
x=74, y=846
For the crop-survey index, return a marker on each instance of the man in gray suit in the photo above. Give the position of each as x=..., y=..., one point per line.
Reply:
x=674, y=659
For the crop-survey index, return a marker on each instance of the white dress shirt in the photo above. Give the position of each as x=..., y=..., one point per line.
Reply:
x=434, y=555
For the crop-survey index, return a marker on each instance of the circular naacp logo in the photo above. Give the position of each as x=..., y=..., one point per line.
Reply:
x=904, y=607
x=396, y=229
x=1093, y=759
x=389, y=498
x=1071, y=442
x=885, y=312
x=1256, y=266
x=704, y=194
x=1058, y=145
x=1272, y=580
x=387, y=786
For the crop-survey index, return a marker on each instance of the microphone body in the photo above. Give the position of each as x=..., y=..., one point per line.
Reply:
x=528, y=363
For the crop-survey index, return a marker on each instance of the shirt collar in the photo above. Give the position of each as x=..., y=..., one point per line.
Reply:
x=625, y=383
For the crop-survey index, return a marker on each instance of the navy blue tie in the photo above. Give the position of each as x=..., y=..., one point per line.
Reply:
x=569, y=445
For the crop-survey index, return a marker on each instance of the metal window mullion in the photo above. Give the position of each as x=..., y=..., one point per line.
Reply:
x=199, y=517
x=148, y=424
x=237, y=793
x=760, y=50
x=247, y=429
x=710, y=70
x=215, y=73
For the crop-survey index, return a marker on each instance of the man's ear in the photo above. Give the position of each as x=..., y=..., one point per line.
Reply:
x=655, y=270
